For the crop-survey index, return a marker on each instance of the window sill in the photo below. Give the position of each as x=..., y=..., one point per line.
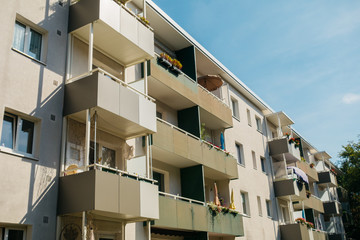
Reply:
x=28, y=56
x=18, y=154
x=236, y=118
x=245, y=215
x=259, y=131
x=241, y=164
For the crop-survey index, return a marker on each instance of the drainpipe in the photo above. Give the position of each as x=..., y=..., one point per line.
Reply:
x=84, y=223
x=63, y=146
x=91, y=46
x=87, y=139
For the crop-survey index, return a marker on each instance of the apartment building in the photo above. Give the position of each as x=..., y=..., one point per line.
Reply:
x=105, y=136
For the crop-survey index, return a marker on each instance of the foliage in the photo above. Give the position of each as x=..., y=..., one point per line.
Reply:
x=350, y=180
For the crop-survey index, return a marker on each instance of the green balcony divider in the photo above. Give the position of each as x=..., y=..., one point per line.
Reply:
x=300, y=147
x=192, y=182
x=187, y=58
x=309, y=215
x=189, y=120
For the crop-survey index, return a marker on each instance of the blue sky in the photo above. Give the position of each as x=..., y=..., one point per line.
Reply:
x=301, y=57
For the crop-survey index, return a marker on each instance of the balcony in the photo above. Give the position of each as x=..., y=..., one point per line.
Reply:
x=327, y=178
x=294, y=231
x=109, y=193
x=282, y=146
x=310, y=172
x=319, y=235
x=182, y=149
x=189, y=215
x=116, y=30
x=332, y=208
x=185, y=93
x=125, y=111
x=289, y=188
x=311, y=203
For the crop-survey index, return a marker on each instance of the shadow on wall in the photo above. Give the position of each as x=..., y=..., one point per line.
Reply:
x=42, y=185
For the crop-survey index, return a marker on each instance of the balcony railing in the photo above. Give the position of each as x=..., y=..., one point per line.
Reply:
x=132, y=112
x=311, y=172
x=327, y=178
x=108, y=192
x=191, y=215
x=115, y=79
x=111, y=22
x=281, y=146
x=186, y=93
x=311, y=203
x=193, y=150
x=289, y=188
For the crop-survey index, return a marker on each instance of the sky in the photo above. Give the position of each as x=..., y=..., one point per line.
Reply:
x=300, y=57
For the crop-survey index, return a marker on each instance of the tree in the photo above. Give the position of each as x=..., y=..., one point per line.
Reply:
x=350, y=180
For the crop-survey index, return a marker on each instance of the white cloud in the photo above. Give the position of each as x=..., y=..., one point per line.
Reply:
x=350, y=98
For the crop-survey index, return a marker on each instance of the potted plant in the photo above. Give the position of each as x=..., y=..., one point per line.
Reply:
x=165, y=60
x=312, y=165
x=308, y=194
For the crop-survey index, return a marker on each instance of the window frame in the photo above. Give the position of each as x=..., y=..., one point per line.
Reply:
x=6, y=232
x=30, y=26
x=259, y=206
x=16, y=135
x=258, y=124
x=235, y=108
x=253, y=154
x=268, y=208
x=245, y=202
x=248, y=114
x=240, y=154
x=263, y=164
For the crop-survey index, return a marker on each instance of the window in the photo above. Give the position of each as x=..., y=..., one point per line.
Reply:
x=239, y=153
x=159, y=177
x=254, y=159
x=268, y=208
x=27, y=40
x=248, y=116
x=235, y=108
x=263, y=164
x=245, y=203
x=159, y=115
x=259, y=205
x=17, y=133
x=12, y=234
x=258, y=124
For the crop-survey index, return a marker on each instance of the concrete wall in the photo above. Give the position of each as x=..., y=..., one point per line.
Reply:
x=33, y=89
x=253, y=181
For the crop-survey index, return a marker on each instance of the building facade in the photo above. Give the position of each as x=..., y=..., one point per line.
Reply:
x=114, y=128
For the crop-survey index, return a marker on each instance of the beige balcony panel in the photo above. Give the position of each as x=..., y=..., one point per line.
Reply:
x=181, y=92
x=117, y=31
x=311, y=203
x=288, y=188
x=182, y=215
x=182, y=150
x=121, y=111
x=282, y=146
x=310, y=172
x=319, y=235
x=294, y=232
x=108, y=195
x=327, y=179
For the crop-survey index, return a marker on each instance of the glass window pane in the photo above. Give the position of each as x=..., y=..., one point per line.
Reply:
x=15, y=234
x=108, y=156
x=8, y=132
x=35, y=44
x=19, y=36
x=26, y=133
